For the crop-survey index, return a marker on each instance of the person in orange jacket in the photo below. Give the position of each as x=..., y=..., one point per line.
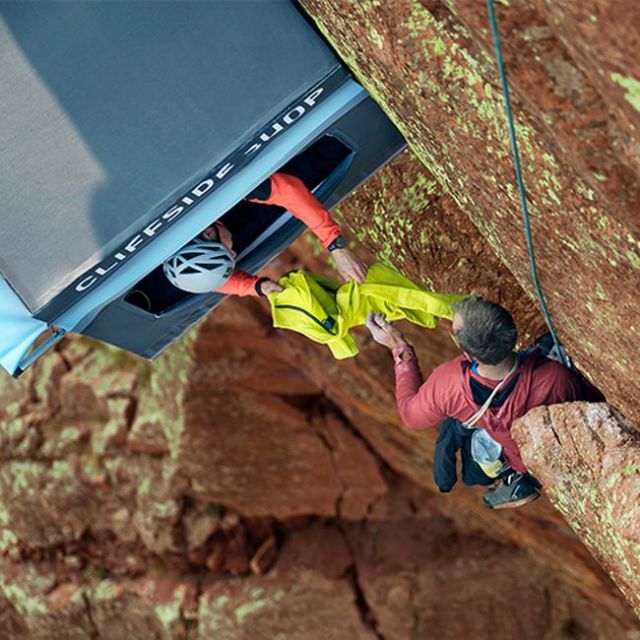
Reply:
x=208, y=262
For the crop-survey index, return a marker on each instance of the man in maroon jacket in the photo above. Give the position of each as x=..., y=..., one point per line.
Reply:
x=488, y=387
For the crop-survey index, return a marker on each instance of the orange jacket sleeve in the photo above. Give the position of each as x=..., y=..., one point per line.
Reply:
x=240, y=283
x=290, y=193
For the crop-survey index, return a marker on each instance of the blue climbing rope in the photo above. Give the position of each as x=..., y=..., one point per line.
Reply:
x=521, y=189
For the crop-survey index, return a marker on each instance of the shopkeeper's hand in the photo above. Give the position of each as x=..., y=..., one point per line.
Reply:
x=349, y=265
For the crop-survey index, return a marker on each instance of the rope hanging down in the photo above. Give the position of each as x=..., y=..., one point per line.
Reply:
x=521, y=190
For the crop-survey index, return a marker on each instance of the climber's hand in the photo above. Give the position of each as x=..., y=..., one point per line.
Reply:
x=349, y=265
x=269, y=286
x=384, y=332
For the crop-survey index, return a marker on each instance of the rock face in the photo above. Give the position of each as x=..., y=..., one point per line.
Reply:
x=602, y=35
x=588, y=458
x=481, y=585
x=243, y=388
x=298, y=604
x=430, y=65
x=198, y=497
x=247, y=485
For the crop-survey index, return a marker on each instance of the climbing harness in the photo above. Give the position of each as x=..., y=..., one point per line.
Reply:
x=521, y=189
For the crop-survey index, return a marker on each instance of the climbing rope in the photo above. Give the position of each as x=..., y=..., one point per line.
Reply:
x=521, y=190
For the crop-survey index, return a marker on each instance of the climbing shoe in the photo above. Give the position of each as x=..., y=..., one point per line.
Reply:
x=513, y=490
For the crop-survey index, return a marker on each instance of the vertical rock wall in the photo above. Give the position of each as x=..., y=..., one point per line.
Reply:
x=264, y=505
x=430, y=65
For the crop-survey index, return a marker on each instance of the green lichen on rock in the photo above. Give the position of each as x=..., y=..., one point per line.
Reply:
x=46, y=503
x=161, y=400
x=247, y=609
x=394, y=229
x=29, y=606
x=631, y=87
x=26, y=592
x=104, y=590
x=8, y=538
x=170, y=614
x=13, y=409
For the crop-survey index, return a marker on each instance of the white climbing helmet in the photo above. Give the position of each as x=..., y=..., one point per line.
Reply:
x=200, y=266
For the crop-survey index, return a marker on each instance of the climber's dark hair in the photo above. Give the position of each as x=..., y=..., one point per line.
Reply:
x=488, y=332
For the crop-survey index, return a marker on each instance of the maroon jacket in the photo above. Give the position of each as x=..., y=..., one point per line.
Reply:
x=447, y=394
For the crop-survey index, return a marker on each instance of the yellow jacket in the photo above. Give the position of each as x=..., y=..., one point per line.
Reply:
x=325, y=311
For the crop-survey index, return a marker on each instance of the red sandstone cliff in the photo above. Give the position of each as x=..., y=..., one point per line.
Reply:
x=246, y=485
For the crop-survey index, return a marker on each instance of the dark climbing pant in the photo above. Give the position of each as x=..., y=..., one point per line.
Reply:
x=453, y=437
